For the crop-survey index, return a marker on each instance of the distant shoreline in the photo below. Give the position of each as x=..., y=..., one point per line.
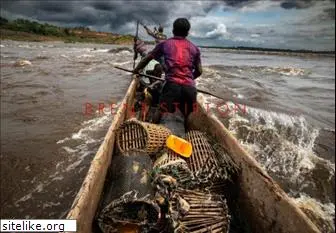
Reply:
x=6, y=34
x=257, y=49
x=26, y=30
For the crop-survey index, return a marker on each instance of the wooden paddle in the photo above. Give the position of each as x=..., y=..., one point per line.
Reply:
x=230, y=98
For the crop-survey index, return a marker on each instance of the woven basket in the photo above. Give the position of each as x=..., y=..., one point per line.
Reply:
x=203, y=157
x=168, y=158
x=200, y=211
x=174, y=165
x=212, y=168
x=134, y=135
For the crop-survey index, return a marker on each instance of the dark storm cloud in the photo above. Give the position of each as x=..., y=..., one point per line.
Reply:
x=301, y=4
x=119, y=13
x=104, y=6
x=286, y=4
x=238, y=3
x=115, y=13
x=328, y=14
x=55, y=7
x=112, y=15
x=29, y=8
x=298, y=4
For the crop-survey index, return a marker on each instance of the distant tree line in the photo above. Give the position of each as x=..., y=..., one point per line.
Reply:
x=68, y=35
x=45, y=29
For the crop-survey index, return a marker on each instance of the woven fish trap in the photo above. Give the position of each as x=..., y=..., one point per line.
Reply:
x=129, y=210
x=203, y=158
x=169, y=158
x=170, y=163
x=134, y=135
x=200, y=212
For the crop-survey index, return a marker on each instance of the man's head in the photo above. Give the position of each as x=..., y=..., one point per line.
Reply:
x=181, y=27
x=160, y=29
x=157, y=72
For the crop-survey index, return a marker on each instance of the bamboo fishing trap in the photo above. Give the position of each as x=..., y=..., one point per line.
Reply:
x=134, y=135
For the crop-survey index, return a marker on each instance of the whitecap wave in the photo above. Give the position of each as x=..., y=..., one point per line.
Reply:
x=63, y=140
x=23, y=63
x=283, y=145
x=39, y=188
x=66, y=57
x=85, y=56
x=124, y=53
x=321, y=214
x=121, y=63
x=88, y=69
x=85, y=136
x=288, y=71
x=100, y=50
x=50, y=204
x=25, y=46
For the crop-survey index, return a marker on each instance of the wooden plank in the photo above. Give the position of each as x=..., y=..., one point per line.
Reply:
x=86, y=202
x=266, y=205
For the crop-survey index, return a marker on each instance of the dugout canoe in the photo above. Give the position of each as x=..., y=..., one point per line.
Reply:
x=265, y=206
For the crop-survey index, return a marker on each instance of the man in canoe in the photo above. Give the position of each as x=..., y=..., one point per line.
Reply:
x=156, y=34
x=154, y=68
x=182, y=60
x=155, y=86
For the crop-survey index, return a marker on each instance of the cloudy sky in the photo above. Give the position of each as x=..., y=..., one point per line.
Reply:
x=292, y=24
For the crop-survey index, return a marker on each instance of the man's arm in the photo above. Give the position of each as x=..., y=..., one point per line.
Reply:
x=198, y=66
x=143, y=63
x=154, y=84
x=155, y=54
x=149, y=31
x=198, y=70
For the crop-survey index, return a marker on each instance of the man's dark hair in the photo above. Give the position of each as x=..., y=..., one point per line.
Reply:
x=181, y=27
x=160, y=29
x=157, y=71
x=158, y=68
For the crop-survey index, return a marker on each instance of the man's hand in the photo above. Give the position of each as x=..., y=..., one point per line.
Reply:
x=154, y=85
x=137, y=71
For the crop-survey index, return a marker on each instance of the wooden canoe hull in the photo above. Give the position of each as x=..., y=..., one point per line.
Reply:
x=266, y=206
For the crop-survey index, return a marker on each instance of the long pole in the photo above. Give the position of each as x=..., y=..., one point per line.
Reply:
x=135, y=39
x=162, y=79
x=145, y=75
x=226, y=97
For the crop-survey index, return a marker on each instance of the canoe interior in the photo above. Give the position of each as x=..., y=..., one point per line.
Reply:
x=256, y=202
x=120, y=179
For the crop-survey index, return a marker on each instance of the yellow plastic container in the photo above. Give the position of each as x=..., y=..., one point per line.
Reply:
x=179, y=145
